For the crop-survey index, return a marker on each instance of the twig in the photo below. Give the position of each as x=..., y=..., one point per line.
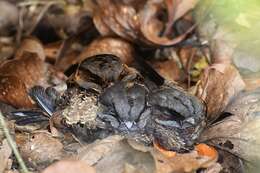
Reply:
x=12, y=144
x=39, y=17
x=20, y=26
x=188, y=65
x=39, y=2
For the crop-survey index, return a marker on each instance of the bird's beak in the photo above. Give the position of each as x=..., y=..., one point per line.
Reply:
x=128, y=124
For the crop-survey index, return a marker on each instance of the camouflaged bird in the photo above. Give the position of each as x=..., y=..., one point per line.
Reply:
x=127, y=106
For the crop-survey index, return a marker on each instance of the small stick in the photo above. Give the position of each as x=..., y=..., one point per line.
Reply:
x=12, y=144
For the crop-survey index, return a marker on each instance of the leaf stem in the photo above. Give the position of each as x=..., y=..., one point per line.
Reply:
x=12, y=144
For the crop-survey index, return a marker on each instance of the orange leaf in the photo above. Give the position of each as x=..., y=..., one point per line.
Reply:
x=166, y=153
x=205, y=150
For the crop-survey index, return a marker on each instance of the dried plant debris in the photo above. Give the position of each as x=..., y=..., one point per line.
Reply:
x=26, y=70
x=40, y=149
x=139, y=22
x=112, y=154
x=14, y=92
x=109, y=45
x=202, y=157
x=32, y=45
x=68, y=166
x=242, y=122
x=218, y=88
x=5, y=153
x=8, y=16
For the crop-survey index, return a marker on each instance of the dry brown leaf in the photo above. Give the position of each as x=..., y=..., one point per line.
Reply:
x=69, y=166
x=252, y=82
x=51, y=50
x=92, y=153
x=171, y=10
x=216, y=168
x=9, y=15
x=30, y=69
x=5, y=153
x=189, y=57
x=100, y=25
x=69, y=59
x=31, y=45
x=166, y=153
x=222, y=49
x=14, y=92
x=184, y=7
x=131, y=169
x=113, y=154
x=168, y=69
x=203, y=156
x=9, y=124
x=139, y=23
x=185, y=54
x=109, y=45
x=19, y=75
x=110, y=11
x=151, y=26
x=181, y=163
x=12, y=171
x=239, y=133
x=217, y=88
x=138, y=146
x=40, y=149
x=229, y=163
x=61, y=54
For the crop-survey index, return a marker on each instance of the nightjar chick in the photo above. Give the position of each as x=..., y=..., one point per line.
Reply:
x=168, y=115
x=125, y=105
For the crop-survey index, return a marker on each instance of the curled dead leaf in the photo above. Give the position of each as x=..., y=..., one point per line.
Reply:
x=5, y=153
x=109, y=45
x=151, y=27
x=51, y=50
x=92, y=153
x=238, y=133
x=113, y=154
x=68, y=166
x=19, y=75
x=110, y=11
x=216, y=168
x=40, y=149
x=29, y=69
x=140, y=23
x=252, y=82
x=217, y=88
x=100, y=25
x=185, y=54
x=9, y=16
x=9, y=124
x=205, y=150
x=31, y=45
x=203, y=156
x=183, y=7
x=69, y=59
x=167, y=153
x=14, y=92
x=168, y=69
x=186, y=162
